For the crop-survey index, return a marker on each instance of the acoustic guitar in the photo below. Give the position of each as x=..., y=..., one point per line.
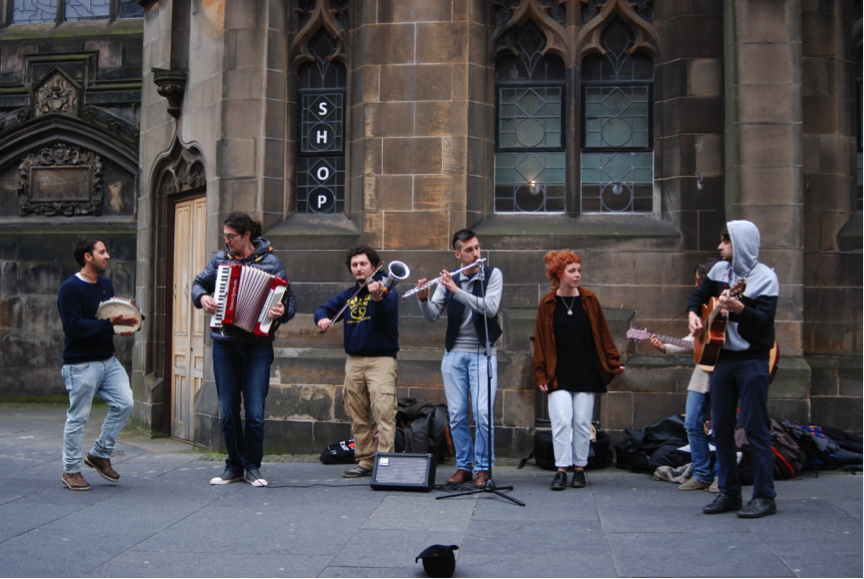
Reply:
x=642, y=335
x=712, y=336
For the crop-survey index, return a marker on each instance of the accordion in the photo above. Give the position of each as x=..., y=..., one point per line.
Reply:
x=244, y=296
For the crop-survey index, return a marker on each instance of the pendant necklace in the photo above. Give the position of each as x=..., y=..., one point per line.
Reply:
x=570, y=307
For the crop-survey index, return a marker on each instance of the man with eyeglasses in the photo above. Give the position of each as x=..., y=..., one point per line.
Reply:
x=241, y=360
x=467, y=297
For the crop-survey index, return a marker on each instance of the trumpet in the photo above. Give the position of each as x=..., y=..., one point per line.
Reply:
x=437, y=280
x=396, y=272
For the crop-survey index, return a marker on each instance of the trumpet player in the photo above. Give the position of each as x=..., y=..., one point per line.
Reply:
x=371, y=342
x=466, y=297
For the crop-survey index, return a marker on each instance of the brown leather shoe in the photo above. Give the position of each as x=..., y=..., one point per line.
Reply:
x=459, y=477
x=482, y=477
x=75, y=481
x=102, y=466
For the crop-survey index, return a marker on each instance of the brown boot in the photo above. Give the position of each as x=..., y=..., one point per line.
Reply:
x=75, y=481
x=102, y=466
x=459, y=477
x=482, y=477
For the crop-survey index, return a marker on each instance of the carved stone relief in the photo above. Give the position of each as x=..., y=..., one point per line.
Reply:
x=332, y=15
x=60, y=180
x=56, y=95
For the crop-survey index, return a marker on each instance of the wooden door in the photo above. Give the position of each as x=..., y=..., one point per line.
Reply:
x=188, y=323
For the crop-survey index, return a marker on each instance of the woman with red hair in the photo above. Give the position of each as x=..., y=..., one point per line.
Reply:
x=574, y=359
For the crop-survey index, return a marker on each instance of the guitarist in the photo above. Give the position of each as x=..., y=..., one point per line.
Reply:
x=741, y=371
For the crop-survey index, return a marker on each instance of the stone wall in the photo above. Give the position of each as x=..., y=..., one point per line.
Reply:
x=751, y=120
x=69, y=98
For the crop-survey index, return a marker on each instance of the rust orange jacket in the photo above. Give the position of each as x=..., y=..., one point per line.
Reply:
x=545, y=355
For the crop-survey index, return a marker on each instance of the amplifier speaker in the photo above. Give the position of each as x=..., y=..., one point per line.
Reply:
x=403, y=472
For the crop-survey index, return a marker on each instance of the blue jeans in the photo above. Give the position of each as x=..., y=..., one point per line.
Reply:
x=465, y=372
x=242, y=372
x=700, y=454
x=747, y=380
x=108, y=381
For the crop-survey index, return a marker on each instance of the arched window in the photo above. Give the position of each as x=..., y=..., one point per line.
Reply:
x=617, y=168
x=530, y=164
x=321, y=134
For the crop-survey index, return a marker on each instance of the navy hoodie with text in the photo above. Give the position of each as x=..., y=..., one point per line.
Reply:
x=371, y=328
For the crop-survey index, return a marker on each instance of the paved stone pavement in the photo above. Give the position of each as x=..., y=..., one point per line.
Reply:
x=164, y=519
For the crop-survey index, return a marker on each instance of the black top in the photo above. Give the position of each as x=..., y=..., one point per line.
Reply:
x=576, y=368
x=86, y=338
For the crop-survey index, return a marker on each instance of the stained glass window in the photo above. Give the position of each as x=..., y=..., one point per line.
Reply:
x=530, y=162
x=129, y=9
x=321, y=132
x=87, y=10
x=33, y=11
x=617, y=162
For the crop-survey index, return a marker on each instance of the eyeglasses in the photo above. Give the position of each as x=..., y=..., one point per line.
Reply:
x=230, y=236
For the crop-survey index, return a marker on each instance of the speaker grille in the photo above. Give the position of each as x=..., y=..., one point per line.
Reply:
x=402, y=470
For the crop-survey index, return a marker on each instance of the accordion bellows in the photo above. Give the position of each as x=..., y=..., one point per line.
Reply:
x=244, y=296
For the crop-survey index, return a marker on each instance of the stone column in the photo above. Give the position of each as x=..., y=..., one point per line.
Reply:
x=764, y=165
x=418, y=109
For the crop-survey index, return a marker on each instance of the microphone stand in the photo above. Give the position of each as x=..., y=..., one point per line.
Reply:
x=490, y=483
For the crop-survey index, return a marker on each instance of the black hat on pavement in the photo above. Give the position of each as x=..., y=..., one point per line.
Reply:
x=438, y=560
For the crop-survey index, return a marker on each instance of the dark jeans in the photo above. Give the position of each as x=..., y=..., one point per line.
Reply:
x=747, y=380
x=243, y=371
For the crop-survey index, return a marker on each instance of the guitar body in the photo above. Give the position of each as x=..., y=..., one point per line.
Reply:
x=707, y=345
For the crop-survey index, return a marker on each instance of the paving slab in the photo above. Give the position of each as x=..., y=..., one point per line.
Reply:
x=164, y=519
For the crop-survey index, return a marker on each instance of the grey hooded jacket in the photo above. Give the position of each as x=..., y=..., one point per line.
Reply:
x=263, y=258
x=750, y=334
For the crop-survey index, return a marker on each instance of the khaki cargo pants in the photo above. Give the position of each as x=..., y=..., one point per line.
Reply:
x=370, y=385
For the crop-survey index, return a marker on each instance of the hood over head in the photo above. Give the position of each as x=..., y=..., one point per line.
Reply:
x=745, y=246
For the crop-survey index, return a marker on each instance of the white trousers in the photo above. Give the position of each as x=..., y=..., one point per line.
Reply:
x=571, y=414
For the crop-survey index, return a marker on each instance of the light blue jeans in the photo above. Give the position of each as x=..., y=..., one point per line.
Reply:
x=108, y=381
x=700, y=454
x=464, y=373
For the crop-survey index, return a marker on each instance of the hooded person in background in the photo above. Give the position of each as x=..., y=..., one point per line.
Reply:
x=742, y=367
x=241, y=360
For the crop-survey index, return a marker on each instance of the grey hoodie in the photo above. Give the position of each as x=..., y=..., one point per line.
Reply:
x=749, y=334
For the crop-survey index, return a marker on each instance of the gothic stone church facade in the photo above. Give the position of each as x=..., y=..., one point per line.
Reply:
x=629, y=131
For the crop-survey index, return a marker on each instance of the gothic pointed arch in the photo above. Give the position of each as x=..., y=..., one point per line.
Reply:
x=647, y=38
x=179, y=169
x=315, y=15
x=538, y=12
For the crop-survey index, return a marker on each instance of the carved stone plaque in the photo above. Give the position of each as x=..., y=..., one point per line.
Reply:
x=60, y=180
x=56, y=95
x=59, y=183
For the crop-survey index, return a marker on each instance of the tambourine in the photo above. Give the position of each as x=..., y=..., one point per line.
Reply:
x=115, y=306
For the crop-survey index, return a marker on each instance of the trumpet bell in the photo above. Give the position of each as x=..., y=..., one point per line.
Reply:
x=396, y=272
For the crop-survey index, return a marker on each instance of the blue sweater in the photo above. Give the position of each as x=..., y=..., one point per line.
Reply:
x=371, y=328
x=86, y=338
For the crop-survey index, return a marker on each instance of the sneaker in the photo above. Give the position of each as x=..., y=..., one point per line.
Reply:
x=357, y=472
x=75, y=481
x=579, y=480
x=715, y=486
x=254, y=478
x=102, y=466
x=559, y=483
x=693, y=484
x=757, y=508
x=229, y=476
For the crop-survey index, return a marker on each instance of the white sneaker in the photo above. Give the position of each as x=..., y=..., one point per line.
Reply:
x=226, y=477
x=254, y=478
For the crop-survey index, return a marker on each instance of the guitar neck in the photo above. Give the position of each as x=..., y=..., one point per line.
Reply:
x=674, y=341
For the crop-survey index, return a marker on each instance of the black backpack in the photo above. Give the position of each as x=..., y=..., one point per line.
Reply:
x=426, y=428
